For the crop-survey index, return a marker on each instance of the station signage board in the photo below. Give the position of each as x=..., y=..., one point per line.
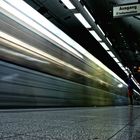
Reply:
x=126, y=10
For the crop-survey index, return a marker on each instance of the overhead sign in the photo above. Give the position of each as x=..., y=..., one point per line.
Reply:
x=126, y=10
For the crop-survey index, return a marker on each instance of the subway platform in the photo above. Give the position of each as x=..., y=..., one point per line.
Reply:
x=86, y=123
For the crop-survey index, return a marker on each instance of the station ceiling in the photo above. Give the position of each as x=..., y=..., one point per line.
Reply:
x=124, y=33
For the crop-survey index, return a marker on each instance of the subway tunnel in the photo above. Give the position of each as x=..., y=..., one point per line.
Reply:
x=62, y=78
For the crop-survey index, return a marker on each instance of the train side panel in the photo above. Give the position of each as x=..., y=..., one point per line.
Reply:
x=23, y=87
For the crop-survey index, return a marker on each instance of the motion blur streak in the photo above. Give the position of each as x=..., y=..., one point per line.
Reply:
x=13, y=42
x=39, y=24
x=36, y=71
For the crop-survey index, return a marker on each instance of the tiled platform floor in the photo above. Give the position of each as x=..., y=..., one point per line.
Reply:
x=104, y=123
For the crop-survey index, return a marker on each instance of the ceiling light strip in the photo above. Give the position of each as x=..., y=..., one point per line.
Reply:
x=120, y=64
x=116, y=60
x=68, y=4
x=109, y=41
x=100, y=29
x=111, y=54
x=89, y=18
x=79, y=7
x=95, y=35
x=89, y=13
x=104, y=46
x=102, y=43
x=123, y=68
x=82, y=20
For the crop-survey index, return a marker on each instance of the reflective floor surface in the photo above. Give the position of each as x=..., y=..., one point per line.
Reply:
x=103, y=123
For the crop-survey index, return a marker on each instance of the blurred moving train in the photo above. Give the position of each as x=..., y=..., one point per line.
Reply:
x=38, y=71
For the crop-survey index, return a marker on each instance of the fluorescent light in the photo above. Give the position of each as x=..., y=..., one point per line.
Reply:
x=120, y=64
x=82, y=20
x=68, y=4
x=116, y=60
x=95, y=35
x=89, y=13
x=104, y=46
x=123, y=68
x=111, y=54
x=100, y=29
x=126, y=72
x=109, y=41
